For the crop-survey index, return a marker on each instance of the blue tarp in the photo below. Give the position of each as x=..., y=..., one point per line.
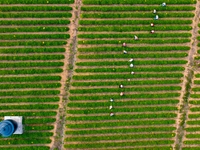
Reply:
x=6, y=128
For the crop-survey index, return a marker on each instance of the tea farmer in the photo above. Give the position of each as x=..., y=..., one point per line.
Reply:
x=121, y=86
x=125, y=52
x=152, y=31
x=156, y=17
x=131, y=60
x=131, y=65
x=163, y=4
x=124, y=44
x=121, y=94
x=112, y=114
x=132, y=72
x=135, y=37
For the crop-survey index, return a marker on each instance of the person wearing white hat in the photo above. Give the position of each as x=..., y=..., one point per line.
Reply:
x=135, y=37
x=163, y=4
x=112, y=114
x=152, y=31
x=131, y=60
x=131, y=65
x=125, y=52
x=152, y=25
x=156, y=17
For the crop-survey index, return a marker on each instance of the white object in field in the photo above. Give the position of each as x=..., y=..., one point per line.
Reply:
x=131, y=60
x=112, y=100
x=154, y=11
x=152, y=31
x=129, y=79
x=111, y=114
x=157, y=17
x=135, y=37
x=110, y=107
x=125, y=52
x=131, y=65
x=163, y=4
x=124, y=44
x=121, y=94
x=132, y=72
x=121, y=86
x=18, y=120
x=152, y=25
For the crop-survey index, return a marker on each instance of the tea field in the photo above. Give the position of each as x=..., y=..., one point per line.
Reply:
x=101, y=74
x=33, y=40
x=146, y=116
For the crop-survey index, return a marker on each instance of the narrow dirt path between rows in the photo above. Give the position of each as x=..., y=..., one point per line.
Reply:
x=67, y=74
x=183, y=107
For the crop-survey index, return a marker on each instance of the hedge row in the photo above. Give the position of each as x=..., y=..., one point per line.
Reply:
x=195, y=109
x=121, y=130
x=34, y=29
x=124, y=123
x=133, y=28
x=29, y=106
x=26, y=147
x=137, y=62
x=33, y=93
x=129, y=41
x=31, y=50
x=30, y=141
x=150, y=2
x=28, y=85
x=192, y=142
x=149, y=69
x=30, y=71
x=135, y=49
x=33, y=36
x=120, y=103
x=44, y=8
x=36, y=15
x=30, y=135
x=158, y=35
x=28, y=114
x=135, y=15
x=190, y=148
x=39, y=121
x=196, y=122
x=136, y=116
x=139, y=55
x=120, y=137
x=150, y=145
x=116, y=96
x=37, y=2
x=35, y=22
x=194, y=115
x=33, y=128
x=136, y=8
x=34, y=99
x=127, y=76
x=127, y=89
x=30, y=79
x=33, y=57
x=34, y=43
x=136, y=82
x=193, y=129
x=133, y=22
x=31, y=64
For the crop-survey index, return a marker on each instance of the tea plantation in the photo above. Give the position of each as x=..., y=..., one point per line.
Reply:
x=101, y=74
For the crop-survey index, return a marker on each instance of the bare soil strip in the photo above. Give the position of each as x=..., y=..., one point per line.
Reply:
x=184, y=108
